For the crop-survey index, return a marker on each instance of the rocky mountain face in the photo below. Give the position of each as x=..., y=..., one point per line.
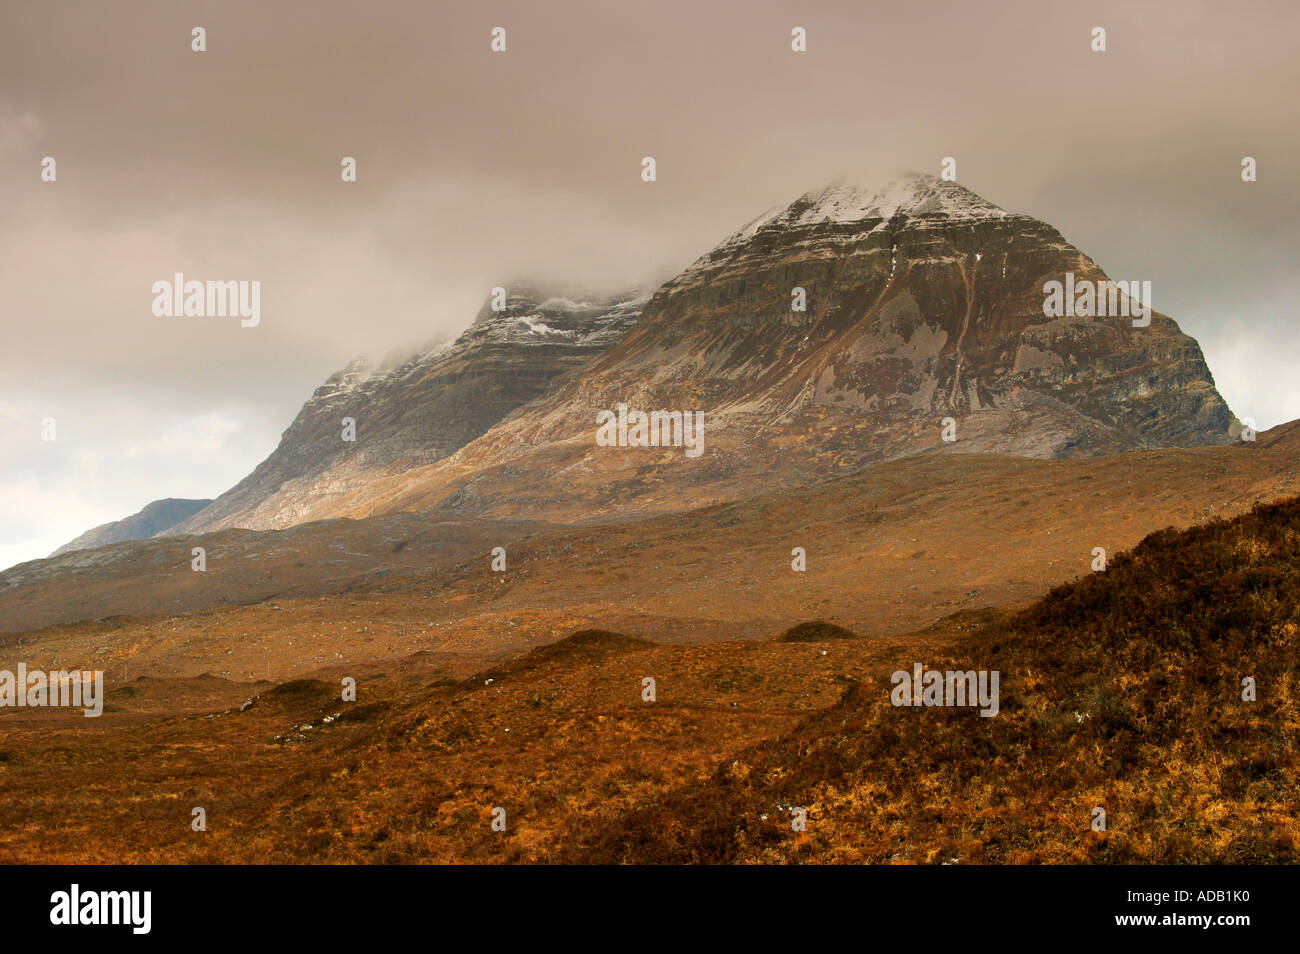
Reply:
x=154, y=518
x=924, y=302
x=422, y=409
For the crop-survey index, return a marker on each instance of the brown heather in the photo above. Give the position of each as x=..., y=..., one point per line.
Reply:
x=1119, y=690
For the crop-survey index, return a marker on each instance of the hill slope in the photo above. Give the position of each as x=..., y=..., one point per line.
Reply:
x=1122, y=690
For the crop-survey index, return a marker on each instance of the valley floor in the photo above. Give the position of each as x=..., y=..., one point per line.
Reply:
x=410, y=772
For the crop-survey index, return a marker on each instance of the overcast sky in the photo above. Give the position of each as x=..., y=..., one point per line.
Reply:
x=475, y=167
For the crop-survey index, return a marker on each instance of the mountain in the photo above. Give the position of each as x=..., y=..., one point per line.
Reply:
x=923, y=302
x=424, y=408
x=154, y=518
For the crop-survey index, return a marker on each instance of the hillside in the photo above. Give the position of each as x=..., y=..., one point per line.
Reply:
x=1121, y=690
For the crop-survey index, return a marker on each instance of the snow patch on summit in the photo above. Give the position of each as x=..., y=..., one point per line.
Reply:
x=912, y=195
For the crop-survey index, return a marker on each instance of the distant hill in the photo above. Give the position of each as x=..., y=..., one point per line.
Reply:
x=154, y=518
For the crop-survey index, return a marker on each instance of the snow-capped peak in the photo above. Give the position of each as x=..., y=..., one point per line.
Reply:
x=911, y=195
